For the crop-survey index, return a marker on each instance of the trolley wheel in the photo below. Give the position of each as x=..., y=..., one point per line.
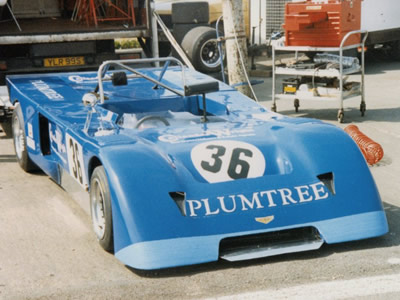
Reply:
x=296, y=105
x=363, y=108
x=273, y=107
x=340, y=115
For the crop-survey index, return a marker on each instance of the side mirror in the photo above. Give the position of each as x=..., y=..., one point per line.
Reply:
x=119, y=78
x=90, y=99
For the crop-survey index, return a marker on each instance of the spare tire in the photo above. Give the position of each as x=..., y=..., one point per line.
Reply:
x=190, y=12
x=200, y=44
x=179, y=30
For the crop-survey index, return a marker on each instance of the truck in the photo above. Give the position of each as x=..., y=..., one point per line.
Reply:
x=65, y=35
x=71, y=35
x=380, y=18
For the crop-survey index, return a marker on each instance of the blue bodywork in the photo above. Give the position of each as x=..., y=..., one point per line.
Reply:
x=180, y=191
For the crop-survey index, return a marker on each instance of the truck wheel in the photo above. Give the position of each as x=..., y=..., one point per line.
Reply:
x=100, y=209
x=19, y=137
x=179, y=30
x=200, y=44
x=190, y=12
x=395, y=50
x=7, y=128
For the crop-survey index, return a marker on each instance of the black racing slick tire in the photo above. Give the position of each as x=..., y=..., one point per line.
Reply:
x=20, y=140
x=200, y=44
x=179, y=30
x=100, y=209
x=190, y=12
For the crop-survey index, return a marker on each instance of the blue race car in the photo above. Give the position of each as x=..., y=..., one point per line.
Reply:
x=183, y=169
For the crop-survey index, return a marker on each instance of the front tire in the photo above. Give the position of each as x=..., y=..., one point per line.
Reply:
x=19, y=137
x=100, y=209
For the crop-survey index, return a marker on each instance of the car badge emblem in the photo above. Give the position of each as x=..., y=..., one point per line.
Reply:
x=265, y=220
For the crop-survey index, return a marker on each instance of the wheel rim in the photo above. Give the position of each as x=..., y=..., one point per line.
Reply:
x=19, y=140
x=97, y=209
x=209, y=54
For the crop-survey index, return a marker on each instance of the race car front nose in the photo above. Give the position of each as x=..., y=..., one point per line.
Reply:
x=189, y=250
x=299, y=194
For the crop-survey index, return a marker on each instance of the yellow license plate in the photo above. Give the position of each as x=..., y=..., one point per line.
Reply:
x=64, y=61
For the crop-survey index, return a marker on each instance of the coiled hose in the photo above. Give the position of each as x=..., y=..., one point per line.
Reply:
x=372, y=151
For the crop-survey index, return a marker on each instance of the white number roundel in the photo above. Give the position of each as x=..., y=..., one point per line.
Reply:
x=220, y=161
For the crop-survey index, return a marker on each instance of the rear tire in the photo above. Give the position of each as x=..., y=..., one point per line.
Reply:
x=100, y=209
x=19, y=137
x=200, y=44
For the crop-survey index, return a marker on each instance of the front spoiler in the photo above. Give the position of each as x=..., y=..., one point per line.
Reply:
x=201, y=249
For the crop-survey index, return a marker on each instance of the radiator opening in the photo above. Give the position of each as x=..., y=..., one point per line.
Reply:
x=271, y=243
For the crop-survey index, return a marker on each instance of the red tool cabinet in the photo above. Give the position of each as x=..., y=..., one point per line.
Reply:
x=322, y=23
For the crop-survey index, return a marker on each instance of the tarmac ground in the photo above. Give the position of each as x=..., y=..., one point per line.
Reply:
x=48, y=249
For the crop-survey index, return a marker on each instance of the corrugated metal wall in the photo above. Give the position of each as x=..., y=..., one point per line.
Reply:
x=274, y=16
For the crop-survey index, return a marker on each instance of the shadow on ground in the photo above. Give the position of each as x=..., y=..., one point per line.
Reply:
x=379, y=62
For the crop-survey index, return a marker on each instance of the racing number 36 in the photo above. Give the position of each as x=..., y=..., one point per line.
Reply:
x=238, y=167
x=75, y=160
x=219, y=161
x=76, y=165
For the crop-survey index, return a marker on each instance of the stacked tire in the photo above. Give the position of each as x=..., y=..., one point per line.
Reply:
x=196, y=37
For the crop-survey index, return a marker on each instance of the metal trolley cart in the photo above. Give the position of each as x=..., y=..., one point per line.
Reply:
x=341, y=91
